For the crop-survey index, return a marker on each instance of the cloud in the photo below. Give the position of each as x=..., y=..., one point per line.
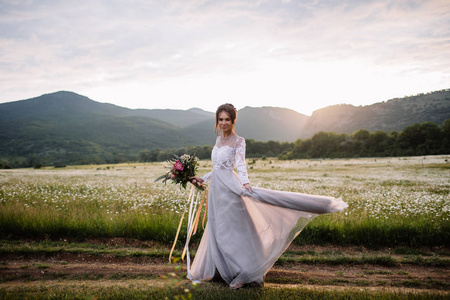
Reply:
x=103, y=45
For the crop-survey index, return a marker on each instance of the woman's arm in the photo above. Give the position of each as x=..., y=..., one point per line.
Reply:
x=207, y=177
x=204, y=179
x=241, y=167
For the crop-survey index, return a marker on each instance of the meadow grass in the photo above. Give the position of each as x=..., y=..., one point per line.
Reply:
x=392, y=201
x=211, y=292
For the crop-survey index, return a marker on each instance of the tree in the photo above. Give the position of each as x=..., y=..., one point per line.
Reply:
x=361, y=135
x=446, y=128
x=377, y=142
x=445, y=149
x=325, y=144
x=421, y=139
x=411, y=137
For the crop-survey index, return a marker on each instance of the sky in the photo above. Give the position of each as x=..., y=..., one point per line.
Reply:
x=297, y=54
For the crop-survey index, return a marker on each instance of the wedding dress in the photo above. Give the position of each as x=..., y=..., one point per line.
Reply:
x=247, y=232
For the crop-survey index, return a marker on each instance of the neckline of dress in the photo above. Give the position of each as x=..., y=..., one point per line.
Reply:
x=227, y=138
x=223, y=146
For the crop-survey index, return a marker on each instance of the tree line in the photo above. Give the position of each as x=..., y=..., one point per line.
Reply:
x=419, y=139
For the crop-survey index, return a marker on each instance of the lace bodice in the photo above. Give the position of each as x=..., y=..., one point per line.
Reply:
x=229, y=154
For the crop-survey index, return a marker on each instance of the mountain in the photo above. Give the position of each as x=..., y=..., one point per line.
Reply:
x=179, y=118
x=75, y=128
x=270, y=123
x=388, y=116
x=68, y=104
x=72, y=128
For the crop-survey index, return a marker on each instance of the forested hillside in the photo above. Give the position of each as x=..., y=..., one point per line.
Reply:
x=66, y=128
x=418, y=139
x=388, y=116
x=271, y=123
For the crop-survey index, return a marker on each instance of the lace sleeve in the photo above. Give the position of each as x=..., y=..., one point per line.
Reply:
x=240, y=160
x=207, y=177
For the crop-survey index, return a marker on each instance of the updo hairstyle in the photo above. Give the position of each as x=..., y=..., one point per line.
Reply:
x=230, y=110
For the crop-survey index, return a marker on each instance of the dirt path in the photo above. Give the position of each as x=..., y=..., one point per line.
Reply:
x=18, y=271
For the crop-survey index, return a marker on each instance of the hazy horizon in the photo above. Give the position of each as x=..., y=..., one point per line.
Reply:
x=213, y=111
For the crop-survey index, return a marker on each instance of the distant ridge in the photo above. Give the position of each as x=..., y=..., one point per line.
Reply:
x=271, y=123
x=73, y=127
x=394, y=114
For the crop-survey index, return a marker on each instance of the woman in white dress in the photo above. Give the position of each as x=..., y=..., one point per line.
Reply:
x=248, y=227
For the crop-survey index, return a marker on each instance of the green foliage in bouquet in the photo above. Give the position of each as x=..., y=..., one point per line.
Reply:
x=182, y=168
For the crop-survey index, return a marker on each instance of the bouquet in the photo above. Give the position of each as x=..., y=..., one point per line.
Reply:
x=181, y=170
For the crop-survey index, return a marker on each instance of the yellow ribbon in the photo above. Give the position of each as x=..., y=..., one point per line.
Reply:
x=191, y=193
x=193, y=228
x=206, y=209
x=199, y=211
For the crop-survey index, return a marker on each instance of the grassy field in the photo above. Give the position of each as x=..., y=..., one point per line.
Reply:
x=392, y=201
x=391, y=243
x=125, y=268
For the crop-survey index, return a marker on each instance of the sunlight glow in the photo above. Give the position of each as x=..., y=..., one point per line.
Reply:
x=307, y=86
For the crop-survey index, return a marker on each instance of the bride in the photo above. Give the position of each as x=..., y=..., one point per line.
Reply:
x=248, y=227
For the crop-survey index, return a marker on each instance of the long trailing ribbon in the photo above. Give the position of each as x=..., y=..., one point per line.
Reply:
x=192, y=207
x=191, y=193
x=199, y=211
x=206, y=209
x=192, y=222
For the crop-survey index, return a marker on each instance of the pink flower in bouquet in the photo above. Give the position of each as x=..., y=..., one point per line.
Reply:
x=182, y=169
x=178, y=166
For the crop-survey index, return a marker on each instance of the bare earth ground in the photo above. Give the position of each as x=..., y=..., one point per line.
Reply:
x=17, y=271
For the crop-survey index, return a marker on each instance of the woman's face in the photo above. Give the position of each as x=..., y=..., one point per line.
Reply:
x=225, y=122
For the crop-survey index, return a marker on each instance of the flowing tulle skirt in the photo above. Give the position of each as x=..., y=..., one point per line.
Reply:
x=247, y=232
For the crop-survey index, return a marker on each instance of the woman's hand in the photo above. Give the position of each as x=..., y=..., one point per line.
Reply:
x=195, y=179
x=248, y=187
